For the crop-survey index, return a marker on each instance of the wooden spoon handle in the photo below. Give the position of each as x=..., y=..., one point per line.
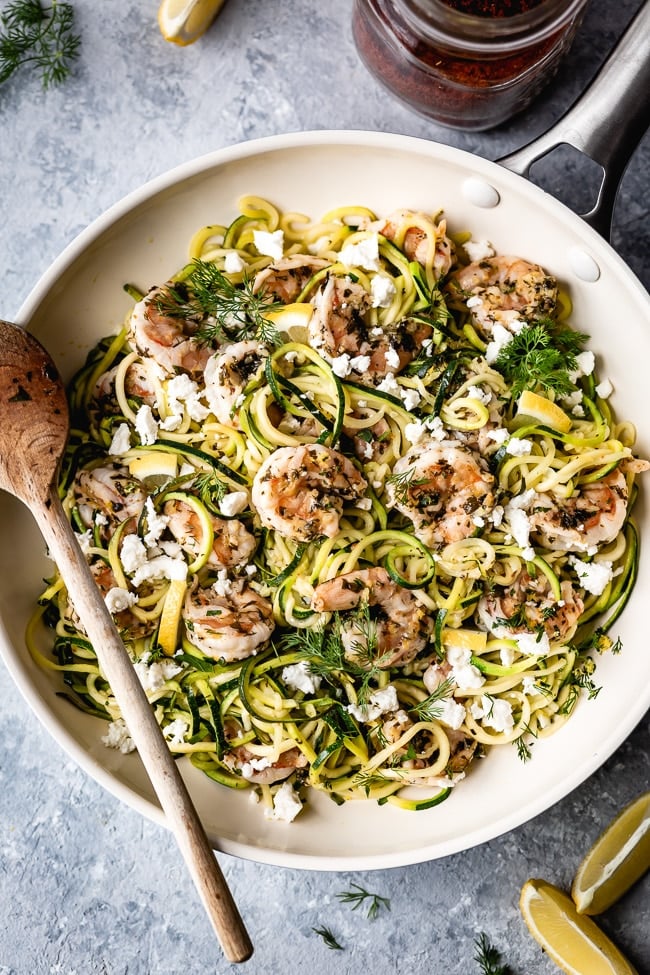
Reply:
x=143, y=728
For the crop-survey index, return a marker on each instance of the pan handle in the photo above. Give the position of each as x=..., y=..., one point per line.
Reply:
x=607, y=122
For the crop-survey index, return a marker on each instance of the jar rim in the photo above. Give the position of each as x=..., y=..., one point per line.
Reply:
x=435, y=21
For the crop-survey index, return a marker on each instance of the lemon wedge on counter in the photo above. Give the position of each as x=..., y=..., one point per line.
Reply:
x=535, y=407
x=574, y=942
x=184, y=21
x=618, y=858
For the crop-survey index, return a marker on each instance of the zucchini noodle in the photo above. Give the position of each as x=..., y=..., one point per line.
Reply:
x=349, y=547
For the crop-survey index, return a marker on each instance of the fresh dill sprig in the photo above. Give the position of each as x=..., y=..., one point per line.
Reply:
x=222, y=309
x=429, y=709
x=328, y=937
x=211, y=489
x=41, y=36
x=359, y=896
x=541, y=356
x=403, y=482
x=489, y=958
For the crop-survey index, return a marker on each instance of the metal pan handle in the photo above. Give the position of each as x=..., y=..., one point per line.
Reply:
x=607, y=122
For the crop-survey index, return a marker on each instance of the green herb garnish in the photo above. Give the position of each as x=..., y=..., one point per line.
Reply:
x=429, y=709
x=41, y=36
x=359, y=896
x=328, y=938
x=221, y=309
x=489, y=958
x=541, y=356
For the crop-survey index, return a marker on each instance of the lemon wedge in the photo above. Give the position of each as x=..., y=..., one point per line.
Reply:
x=474, y=640
x=292, y=320
x=574, y=942
x=157, y=463
x=535, y=407
x=184, y=21
x=618, y=858
x=171, y=616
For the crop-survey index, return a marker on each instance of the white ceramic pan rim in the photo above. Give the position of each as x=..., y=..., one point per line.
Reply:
x=373, y=838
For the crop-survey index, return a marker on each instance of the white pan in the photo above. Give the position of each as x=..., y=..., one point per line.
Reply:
x=144, y=240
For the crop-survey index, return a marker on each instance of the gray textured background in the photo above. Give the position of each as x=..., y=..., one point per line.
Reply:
x=87, y=886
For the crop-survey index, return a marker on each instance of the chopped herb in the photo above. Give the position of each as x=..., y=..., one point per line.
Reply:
x=403, y=482
x=541, y=356
x=211, y=490
x=40, y=36
x=328, y=938
x=220, y=308
x=429, y=709
x=359, y=896
x=489, y=958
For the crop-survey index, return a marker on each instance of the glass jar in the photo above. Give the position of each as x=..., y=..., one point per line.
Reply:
x=468, y=64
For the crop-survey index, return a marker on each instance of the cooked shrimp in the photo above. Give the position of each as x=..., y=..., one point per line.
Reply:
x=106, y=582
x=228, y=373
x=107, y=496
x=300, y=491
x=527, y=606
x=139, y=384
x=337, y=327
x=421, y=239
x=169, y=341
x=398, y=626
x=443, y=490
x=504, y=290
x=594, y=515
x=228, y=621
x=285, y=279
x=260, y=770
x=233, y=544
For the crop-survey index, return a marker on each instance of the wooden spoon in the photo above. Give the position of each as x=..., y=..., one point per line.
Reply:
x=33, y=435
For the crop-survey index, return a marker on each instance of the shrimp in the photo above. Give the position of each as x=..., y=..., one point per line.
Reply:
x=337, y=327
x=397, y=627
x=260, y=770
x=443, y=489
x=594, y=515
x=527, y=606
x=228, y=373
x=507, y=291
x=300, y=491
x=107, y=496
x=125, y=620
x=285, y=279
x=139, y=383
x=233, y=544
x=423, y=240
x=168, y=340
x=227, y=621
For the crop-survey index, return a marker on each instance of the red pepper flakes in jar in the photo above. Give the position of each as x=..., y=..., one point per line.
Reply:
x=468, y=64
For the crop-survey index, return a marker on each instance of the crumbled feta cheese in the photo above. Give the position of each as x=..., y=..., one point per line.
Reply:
x=482, y=395
x=479, y=521
x=153, y=675
x=364, y=504
x=360, y=363
x=183, y=390
x=121, y=441
x=222, y=585
x=389, y=385
x=175, y=731
x=593, y=576
x=451, y=713
x=365, y=253
x=392, y=358
x=382, y=291
x=86, y=541
x=133, y=554
x=507, y=655
x=463, y=672
x=233, y=263
x=379, y=703
x=529, y=687
x=474, y=302
x=160, y=567
x=286, y=804
x=156, y=523
x=519, y=524
x=500, y=338
x=300, y=678
x=249, y=768
x=532, y=644
x=496, y=515
x=499, y=435
x=519, y=447
x=586, y=362
x=410, y=398
x=146, y=426
x=497, y=714
x=233, y=503
x=341, y=365
x=604, y=389
x=118, y=599
x=118, y=737
x=573, y=399
x=415, y=431
x=478, y=250
x=269, y=244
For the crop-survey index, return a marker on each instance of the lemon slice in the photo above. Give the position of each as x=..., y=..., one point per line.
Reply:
x=474, y=640
x=535, y=407
x=618, y=858
x=292, y=320
x=154, y=464
x=171, y=616
x=184, y=21
x=574, y=942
